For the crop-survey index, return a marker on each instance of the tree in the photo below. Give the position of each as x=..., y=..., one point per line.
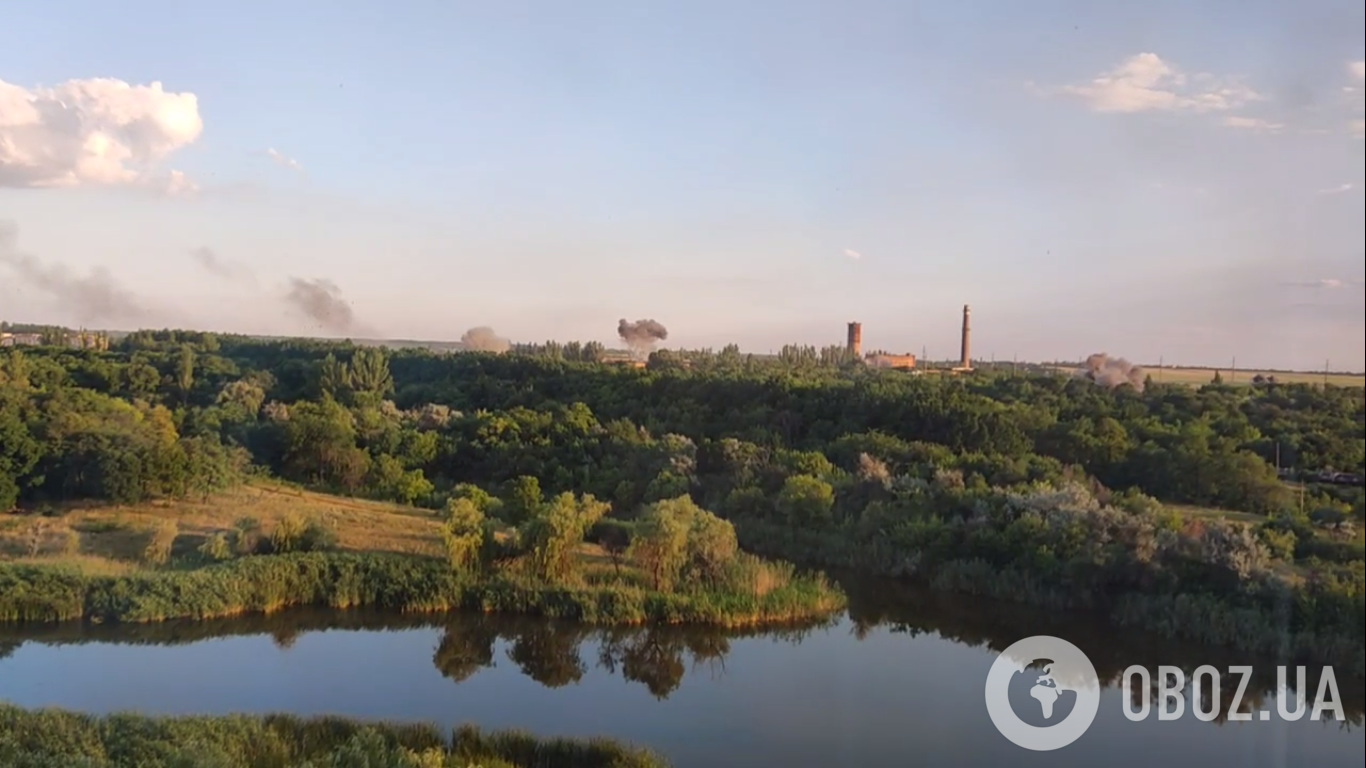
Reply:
x=369, y=378
x=333, y=378
x=523, y=499
x=556, y=529
x=463, y=534
x=184, y=377
x=660, y=545
x=806, y=500
x=389, y=480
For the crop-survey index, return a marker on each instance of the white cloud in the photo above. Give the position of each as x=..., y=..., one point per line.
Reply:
x=94, y=132
x=283, y=160
x=850, y=253
x=1253, y=124
x=1338, y=190
x=1146, y=83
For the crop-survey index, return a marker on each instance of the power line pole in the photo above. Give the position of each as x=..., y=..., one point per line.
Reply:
x=1325, y=373
x=1160, y=363
x=1233, y=370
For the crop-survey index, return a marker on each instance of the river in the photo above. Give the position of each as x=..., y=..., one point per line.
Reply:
x=897, y=681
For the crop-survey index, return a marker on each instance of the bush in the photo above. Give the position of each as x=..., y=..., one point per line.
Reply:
x=158, y=551
x=216, y=547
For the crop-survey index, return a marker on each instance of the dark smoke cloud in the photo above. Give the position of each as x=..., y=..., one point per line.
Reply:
x=1112, y=372
x=214, y=265
x=483, y=339
x=92, y=298
x=320, y=300
x=642, y=335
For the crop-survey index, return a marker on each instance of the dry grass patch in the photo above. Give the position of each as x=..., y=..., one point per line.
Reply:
x=112, y=537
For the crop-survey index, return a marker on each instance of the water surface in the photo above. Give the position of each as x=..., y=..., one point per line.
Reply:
x=896, y=682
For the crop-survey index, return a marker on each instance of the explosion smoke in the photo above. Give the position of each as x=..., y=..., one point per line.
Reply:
x=642, y=335
x=94, y=297
x=320, y=300
x=483, y=339
x=213, y=264
x=1112, y=372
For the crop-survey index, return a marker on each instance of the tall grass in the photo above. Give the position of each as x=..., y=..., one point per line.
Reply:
x=58, y=739
x=1237, y=620
x=39, y=593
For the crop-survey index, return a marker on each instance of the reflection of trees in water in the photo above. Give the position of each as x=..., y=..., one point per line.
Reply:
x=660, y=657
x=979, y=622
x=285, y=637
x=548, y=654
x=465, y=648
x=551, y=652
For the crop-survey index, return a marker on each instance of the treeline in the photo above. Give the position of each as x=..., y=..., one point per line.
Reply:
x=1037, y=488
x=53, y=738
x=1214, y=446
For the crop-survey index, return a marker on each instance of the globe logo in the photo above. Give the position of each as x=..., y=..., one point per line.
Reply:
x=1066, y=670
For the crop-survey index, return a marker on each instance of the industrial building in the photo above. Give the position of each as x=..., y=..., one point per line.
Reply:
x=907, y=362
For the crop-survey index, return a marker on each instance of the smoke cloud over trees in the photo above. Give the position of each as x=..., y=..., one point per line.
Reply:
x=642, y=335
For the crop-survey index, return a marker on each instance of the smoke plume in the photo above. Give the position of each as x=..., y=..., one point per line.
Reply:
x=320, y=300
x=642, y=335
x=91, y=298
x=215, y=265
x=483, y=339
x=1112, y=372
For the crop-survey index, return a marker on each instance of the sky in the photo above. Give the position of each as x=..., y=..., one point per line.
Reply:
x=1170, y=181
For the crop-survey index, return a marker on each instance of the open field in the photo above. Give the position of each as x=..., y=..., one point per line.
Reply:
x=111, y=539
x=1197, y=376
x=1240, y=376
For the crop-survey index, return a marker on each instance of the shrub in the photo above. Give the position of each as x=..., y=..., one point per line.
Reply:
x=216, y=547
x=158, y=551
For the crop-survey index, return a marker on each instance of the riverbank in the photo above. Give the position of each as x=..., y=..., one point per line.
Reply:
x=1282, y=625
x=50, y=738
x=267, y=583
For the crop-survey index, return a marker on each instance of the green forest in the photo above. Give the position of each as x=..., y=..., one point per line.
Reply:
x=1162, y=508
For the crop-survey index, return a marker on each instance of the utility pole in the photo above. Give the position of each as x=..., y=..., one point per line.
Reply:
x=1325, y=374
x=1233, y=370
x=1160, y=361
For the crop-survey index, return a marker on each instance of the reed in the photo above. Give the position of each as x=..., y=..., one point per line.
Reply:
x=52, y=738
x=267, y=583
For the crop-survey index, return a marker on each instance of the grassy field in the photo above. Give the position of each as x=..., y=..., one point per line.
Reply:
x=1198, y=376
x=103, y=539
x=112, y=540
x=1205, y=375
x=148, y=563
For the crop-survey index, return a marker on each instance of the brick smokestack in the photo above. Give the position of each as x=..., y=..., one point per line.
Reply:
x=966, y=361
x=856, y=339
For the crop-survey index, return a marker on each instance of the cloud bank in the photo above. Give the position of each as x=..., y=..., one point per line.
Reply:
x=95, y=132
x=1146, y=83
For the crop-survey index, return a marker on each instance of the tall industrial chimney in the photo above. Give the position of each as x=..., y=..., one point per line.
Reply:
x=966, y=361
x=856, y=339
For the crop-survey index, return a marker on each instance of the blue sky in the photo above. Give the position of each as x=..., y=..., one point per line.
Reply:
x=547, y=168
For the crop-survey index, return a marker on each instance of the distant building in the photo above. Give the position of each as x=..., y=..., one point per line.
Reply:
x=20, y=339
x=888, y=360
